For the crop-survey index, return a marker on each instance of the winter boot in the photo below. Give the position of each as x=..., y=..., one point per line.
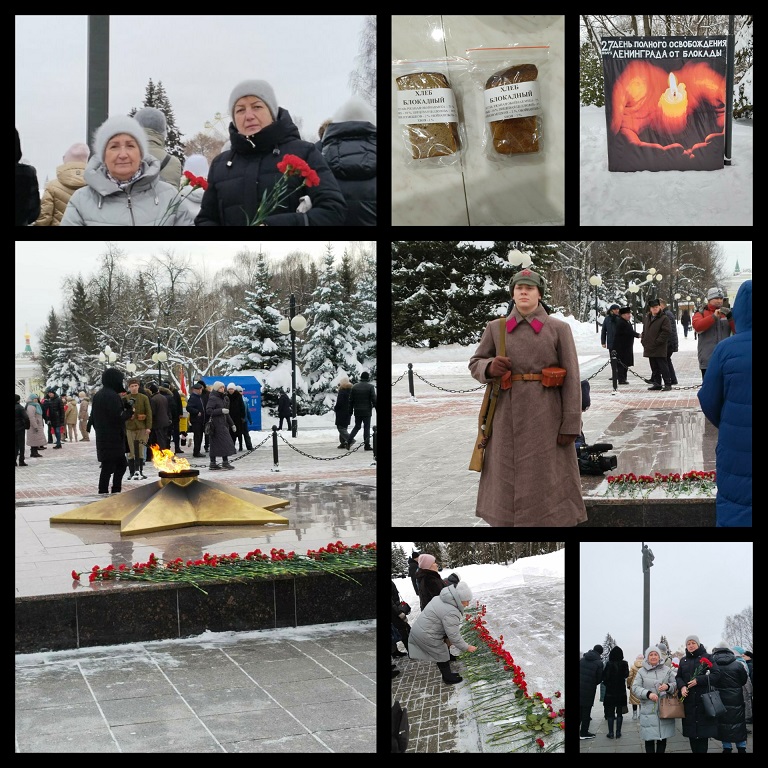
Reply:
x=367, y=447
x=34, y=454
x=23, y=463
x=448, y=676
x=225, y=464
x=619, y=721
x=635, y=713
x=141, y=476
x=214, y=465
x=131, y=469
x=610, y=726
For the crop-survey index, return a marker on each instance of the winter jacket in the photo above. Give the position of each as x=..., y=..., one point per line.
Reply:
x=655, y=335
x=27, y=190
x=108, y=416
x=441, y=618
x=362, y=398
x=171, y=172
x=161, y=410
x=725, y=397
x=631, y=679
x=349, y=148
x=623, y=342
x=53, y=411
x=590, y=675
x=144, y=202
x=284, y=406
x=341, y=406
x=647, y=680
x=672, y=343
x=430, y=585
x=236, y=408
x=22, y=418
x=239, y=177
x=141, y=407
x=36, y=433
x=711, y=331
x=196, y=410
x=732, y=726
x=69, y=178
x=222, y=442
x=608, y=333
x=697, y=724
x=615, y=675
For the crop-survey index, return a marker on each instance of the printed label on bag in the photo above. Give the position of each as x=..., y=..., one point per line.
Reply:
x=426, y=105
x=512, y=100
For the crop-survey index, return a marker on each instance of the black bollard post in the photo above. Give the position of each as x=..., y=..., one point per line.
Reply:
x=410, y=379
x=374, y=443
x=276, y=467
x=615, y=369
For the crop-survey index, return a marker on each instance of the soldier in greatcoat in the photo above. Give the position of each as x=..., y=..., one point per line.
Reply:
x=530, y=474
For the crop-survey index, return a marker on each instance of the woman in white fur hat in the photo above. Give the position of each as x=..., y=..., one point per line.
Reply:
x=261, y=135
x=123, y=186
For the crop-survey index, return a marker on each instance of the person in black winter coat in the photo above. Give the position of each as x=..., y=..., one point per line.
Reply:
x=53, y=413
x=22, y=425
x=732, y=726
x=27, y=190
x=692, y=676
x=429, y=580
x=413, y=567
x=196, y=411
x=590, y=676
x=222, y=427
x=362, y=401
x=615, y=674
x=400, y=623
x=109, y=412
x=349, y=148
x=341, y=409
x=624, y=336
x=284, y=409
x=261, y=135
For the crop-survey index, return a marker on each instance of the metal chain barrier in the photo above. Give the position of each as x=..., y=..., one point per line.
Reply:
x=634, y=373
x=411, y=373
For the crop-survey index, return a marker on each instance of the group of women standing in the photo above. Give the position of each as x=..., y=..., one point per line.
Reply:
x=653, y=677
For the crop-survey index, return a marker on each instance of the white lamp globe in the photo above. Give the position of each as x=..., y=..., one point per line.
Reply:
x=299, y=323
x=515, y=257
x=283, y=326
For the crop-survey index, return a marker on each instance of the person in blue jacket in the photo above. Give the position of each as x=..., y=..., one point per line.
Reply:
x=726, y=400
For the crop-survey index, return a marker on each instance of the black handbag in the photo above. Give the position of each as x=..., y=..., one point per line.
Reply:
x=405, y=608
x=713, y=705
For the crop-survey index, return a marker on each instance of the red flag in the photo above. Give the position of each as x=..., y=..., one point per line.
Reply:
x=182, y=383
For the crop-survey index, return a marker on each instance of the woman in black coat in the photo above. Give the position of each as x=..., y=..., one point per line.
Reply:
x=624, y=336
x=261, y=134
x=615, y=674
x=732, y=726
x=698, y=726
x=222, y=427
x=429, y=580
x=109, y=412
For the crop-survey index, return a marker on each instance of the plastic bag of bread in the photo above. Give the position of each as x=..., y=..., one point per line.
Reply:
x=427, y=110
x=512, y=82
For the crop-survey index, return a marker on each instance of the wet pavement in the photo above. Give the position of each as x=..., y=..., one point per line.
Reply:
x=433, y=434
x=309, y=689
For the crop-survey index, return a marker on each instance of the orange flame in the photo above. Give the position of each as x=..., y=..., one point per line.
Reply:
x=166, y=461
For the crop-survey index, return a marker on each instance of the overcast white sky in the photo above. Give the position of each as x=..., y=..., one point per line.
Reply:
x=41, y=267
x=694, y=587
x=308, y=61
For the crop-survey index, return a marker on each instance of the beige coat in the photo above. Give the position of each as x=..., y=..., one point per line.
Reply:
x=69, y=178
x=631, y=679
x=527, y=478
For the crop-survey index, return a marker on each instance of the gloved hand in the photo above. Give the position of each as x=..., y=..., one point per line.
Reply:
x=566, y=439
x=225, y=410
x=498, y=366
x=234, y=428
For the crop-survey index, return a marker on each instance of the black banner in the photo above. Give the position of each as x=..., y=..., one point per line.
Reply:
x=665, y=102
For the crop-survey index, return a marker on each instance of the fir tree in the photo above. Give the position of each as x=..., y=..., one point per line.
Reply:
x=363, y=302
x=66, y=372
x=48, y=342
x=155, y=96
x=330, y=347
x=256, y=341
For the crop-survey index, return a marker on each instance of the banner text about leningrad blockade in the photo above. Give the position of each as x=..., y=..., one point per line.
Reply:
x=663, y=47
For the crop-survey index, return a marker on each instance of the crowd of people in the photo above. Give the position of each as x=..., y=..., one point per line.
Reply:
x=684, y=677
x=267, y=175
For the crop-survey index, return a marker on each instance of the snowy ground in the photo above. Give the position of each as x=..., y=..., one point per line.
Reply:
x=525, y=604
x=663, y=198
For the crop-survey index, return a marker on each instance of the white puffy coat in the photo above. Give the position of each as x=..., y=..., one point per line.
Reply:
x=652, y=727
x=441, y=617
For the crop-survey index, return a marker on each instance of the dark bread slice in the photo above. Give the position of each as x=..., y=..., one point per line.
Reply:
x=517, y=135
x=430, y=139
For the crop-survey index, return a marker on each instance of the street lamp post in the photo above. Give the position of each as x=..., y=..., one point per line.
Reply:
x=107, y=356
x=159, y=358
x=292, y=325
x=597, y=281
x=633, y=288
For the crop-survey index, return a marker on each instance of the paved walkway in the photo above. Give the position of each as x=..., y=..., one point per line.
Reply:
x=433, y=434
x=630, y=740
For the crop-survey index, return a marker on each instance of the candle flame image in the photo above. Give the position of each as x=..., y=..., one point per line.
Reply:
x=674, y=104
x=673, y=84
x=166, y=461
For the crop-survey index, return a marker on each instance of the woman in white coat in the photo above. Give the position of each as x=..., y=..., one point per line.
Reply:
x=652, y=681
x=437, y=628
x=123, y=184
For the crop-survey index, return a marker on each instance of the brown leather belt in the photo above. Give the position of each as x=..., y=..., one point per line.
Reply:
x=525, y=377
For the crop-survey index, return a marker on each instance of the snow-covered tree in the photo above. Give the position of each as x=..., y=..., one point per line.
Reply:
x=255, y=341
x=364, y=303
x=330, y=347
x=155, y=96
x=67, y=372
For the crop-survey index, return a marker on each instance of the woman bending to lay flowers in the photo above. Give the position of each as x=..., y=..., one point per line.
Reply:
x=269, y=176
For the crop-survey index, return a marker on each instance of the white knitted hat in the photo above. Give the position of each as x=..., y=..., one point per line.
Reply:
x=260, y=88
x=114, y=125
